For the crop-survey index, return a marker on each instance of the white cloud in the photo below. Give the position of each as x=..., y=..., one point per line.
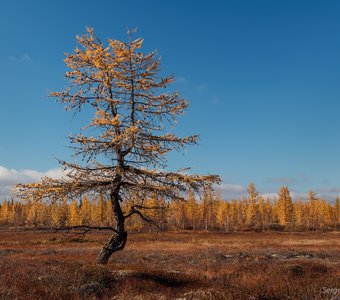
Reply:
x=328, y=193
x=235, y=188
x=271, y=196
x=10, y=177
x=21, y=58
x=230, y=190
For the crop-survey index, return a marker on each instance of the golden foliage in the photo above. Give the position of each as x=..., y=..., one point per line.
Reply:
x=124, y=146
x=211, y=213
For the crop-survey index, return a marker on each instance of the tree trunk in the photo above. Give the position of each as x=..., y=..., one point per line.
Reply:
x=118, y=239
x=115, y=243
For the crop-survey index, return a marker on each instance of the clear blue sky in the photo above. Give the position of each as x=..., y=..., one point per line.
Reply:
x=262, y=78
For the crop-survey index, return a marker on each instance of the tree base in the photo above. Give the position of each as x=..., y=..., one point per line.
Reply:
x=115, y=243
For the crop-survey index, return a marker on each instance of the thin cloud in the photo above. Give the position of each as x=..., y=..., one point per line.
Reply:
x=282, y=180
x=329, y=193
x=180, y=80
x=288, y=179
x=231, y=190
x=329, y=190
x=10, y=177
x=271, y=196
x=304, y=178
x=326, y=193
x=20, y=58
x=200, y=87
x=215, y=100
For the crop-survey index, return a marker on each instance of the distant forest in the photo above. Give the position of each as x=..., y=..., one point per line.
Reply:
x=209, y=212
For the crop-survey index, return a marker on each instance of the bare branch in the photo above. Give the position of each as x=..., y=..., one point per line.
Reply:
x=84, y=228
x=134, y=211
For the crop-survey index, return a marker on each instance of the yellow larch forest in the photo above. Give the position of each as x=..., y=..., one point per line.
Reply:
x=211, y=212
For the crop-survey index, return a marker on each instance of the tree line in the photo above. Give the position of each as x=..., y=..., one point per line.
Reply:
x=210, y=212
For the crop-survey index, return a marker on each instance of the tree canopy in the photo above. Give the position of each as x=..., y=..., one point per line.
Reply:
x=122, y=151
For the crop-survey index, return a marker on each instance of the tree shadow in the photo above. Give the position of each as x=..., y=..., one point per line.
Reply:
x=172, y=280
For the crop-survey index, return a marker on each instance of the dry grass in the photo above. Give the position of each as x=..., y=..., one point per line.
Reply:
x=182, y=265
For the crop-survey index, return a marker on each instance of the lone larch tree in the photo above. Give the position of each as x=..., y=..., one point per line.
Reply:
x=123, y=148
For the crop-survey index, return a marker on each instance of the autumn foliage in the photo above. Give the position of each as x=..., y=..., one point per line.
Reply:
x=123, y=148
x=211, y=212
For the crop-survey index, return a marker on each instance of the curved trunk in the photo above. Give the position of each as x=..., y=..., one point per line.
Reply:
x=115, y=243
x=118, y=239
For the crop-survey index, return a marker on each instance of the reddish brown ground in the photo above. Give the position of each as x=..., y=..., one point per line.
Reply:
x=177, y=265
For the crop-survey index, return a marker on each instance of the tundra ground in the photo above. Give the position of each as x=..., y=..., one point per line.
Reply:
x=171, y=265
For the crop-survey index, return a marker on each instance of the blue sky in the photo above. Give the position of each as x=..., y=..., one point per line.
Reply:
x=262, y=78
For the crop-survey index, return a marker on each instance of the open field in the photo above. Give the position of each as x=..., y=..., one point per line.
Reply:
x=176, y=265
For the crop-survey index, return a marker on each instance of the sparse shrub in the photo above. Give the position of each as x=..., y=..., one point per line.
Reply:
x=164, y=266
x=96, y=282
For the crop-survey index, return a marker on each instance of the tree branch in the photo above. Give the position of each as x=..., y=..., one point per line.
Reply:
x=85, y=228
x=134, y=211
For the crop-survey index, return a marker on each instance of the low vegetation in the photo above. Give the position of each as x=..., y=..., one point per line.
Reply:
x=177, y=265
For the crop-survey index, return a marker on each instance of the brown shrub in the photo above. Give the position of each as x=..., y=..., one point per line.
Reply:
x=185, y=265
